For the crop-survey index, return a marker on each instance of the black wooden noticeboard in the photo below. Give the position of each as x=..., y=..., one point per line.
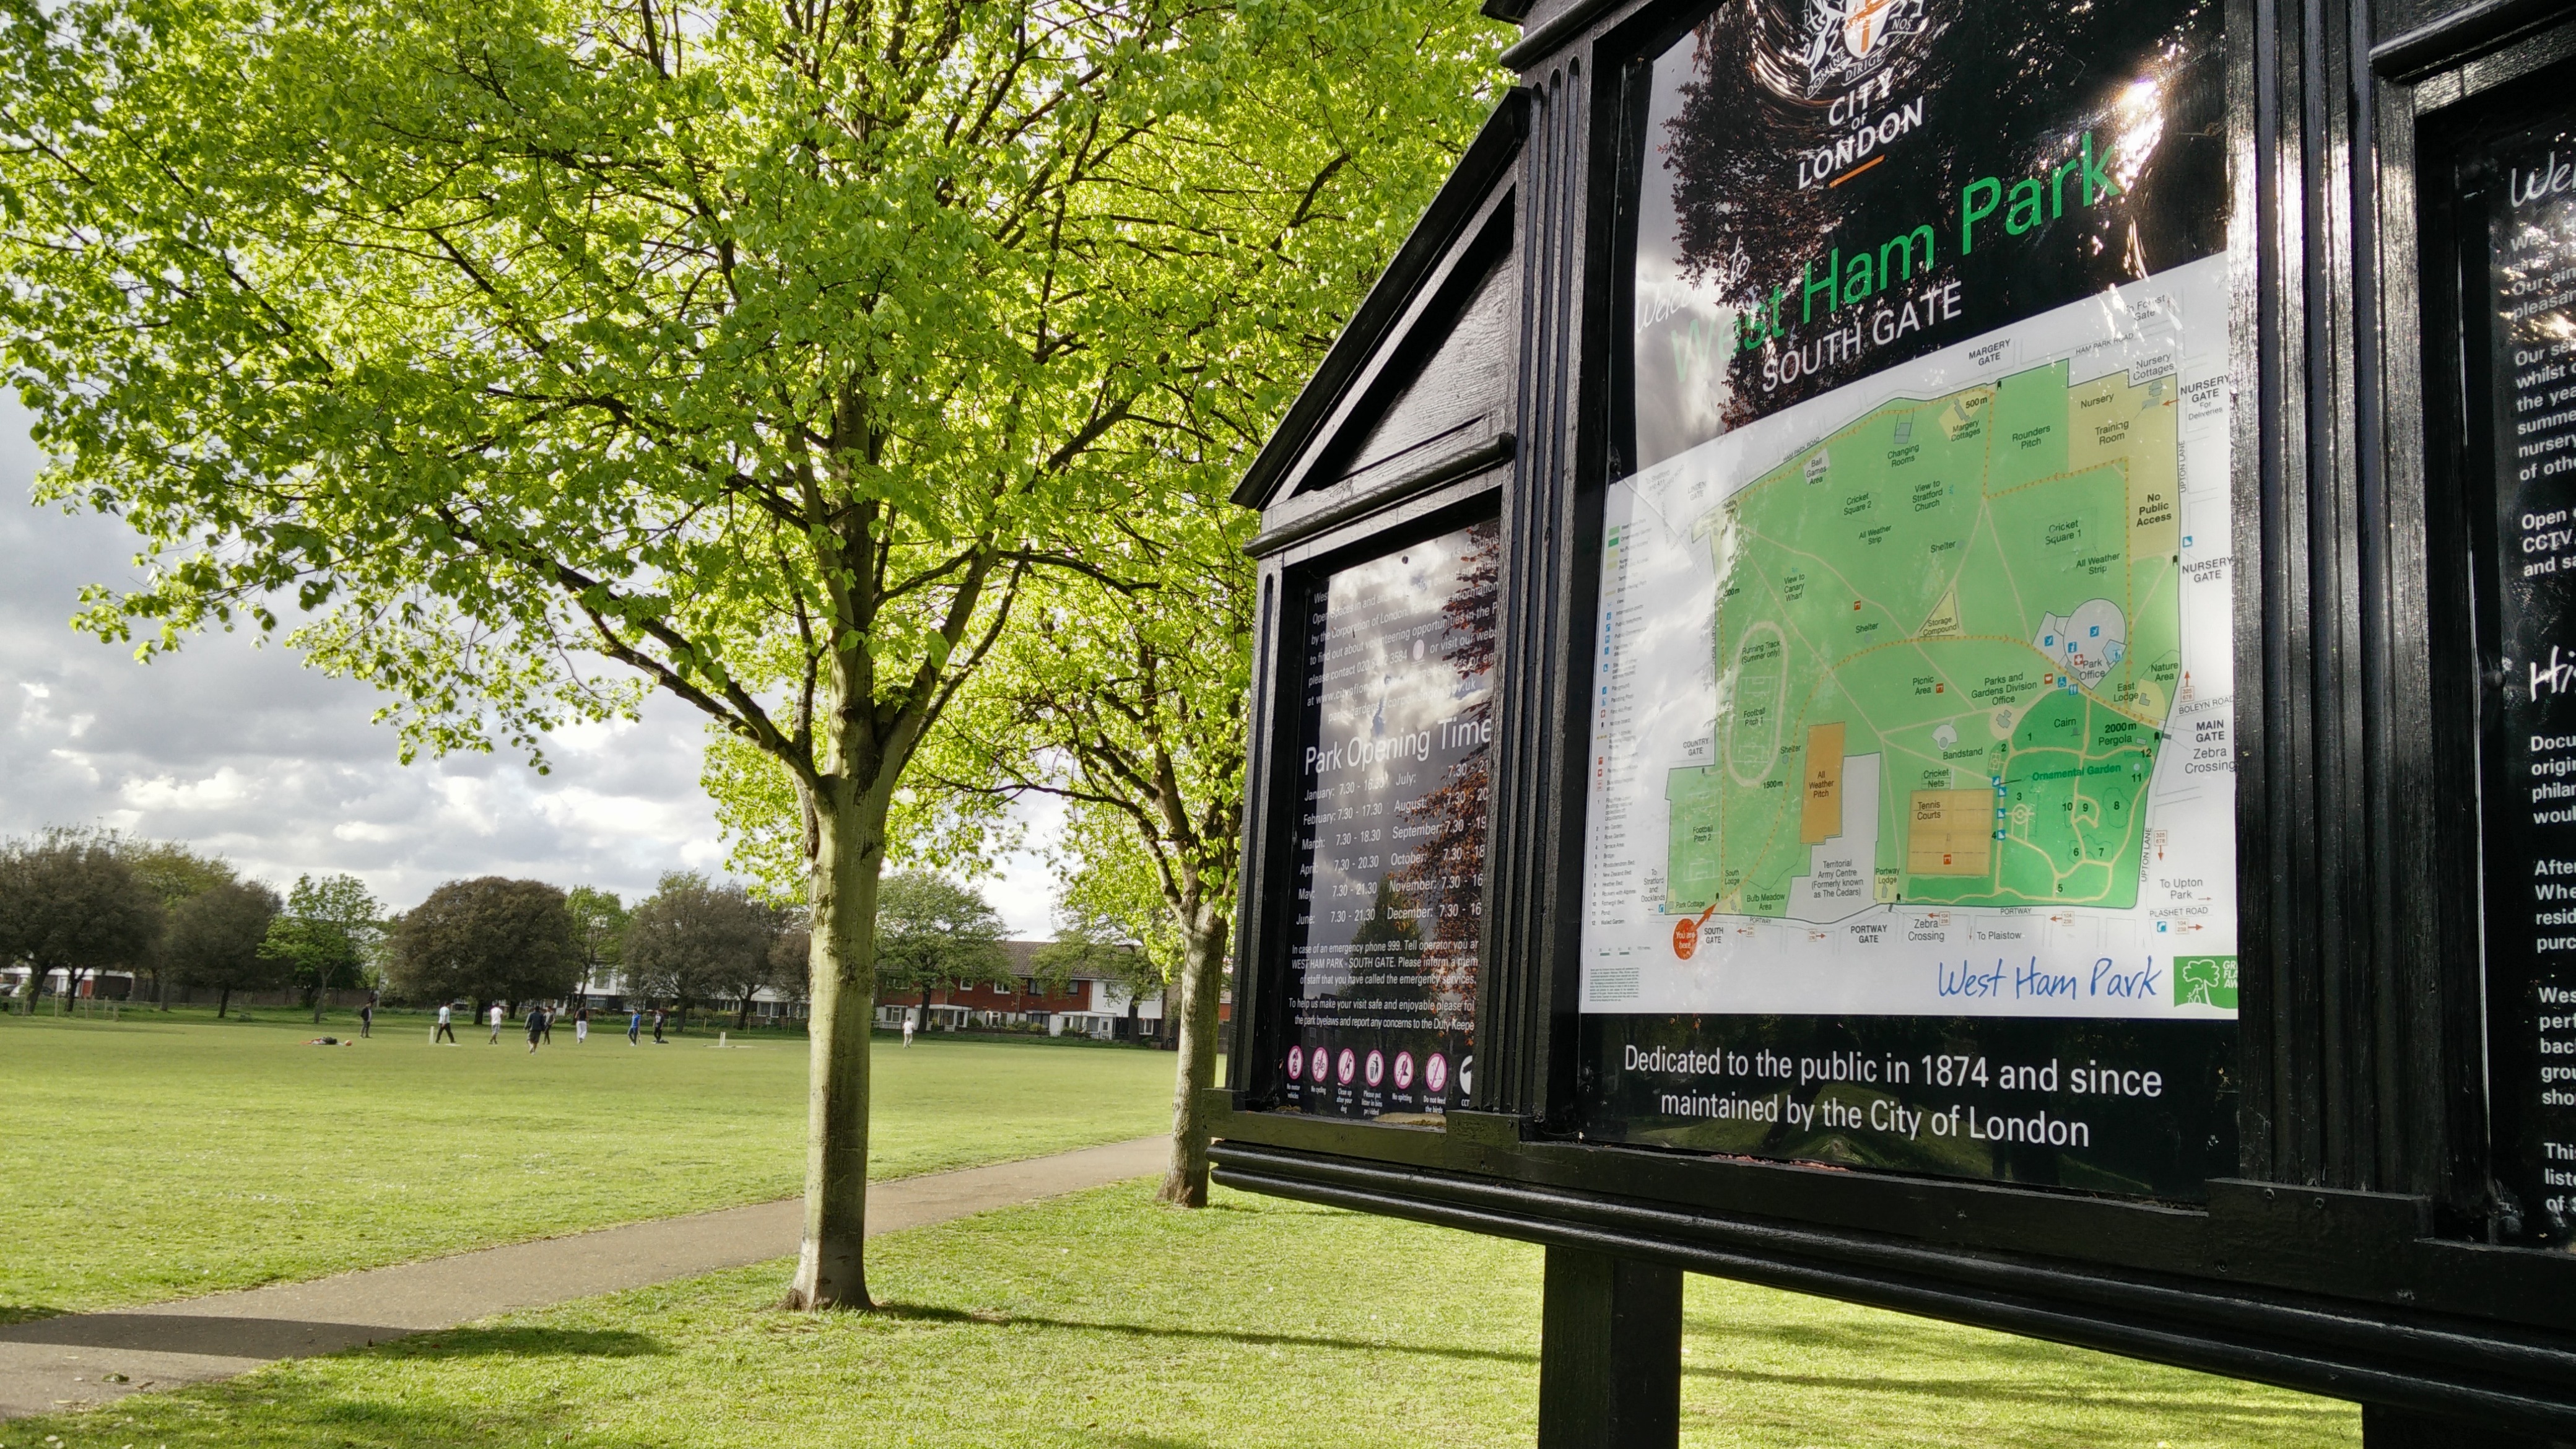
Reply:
x=1915, y=650
x=2524, y=333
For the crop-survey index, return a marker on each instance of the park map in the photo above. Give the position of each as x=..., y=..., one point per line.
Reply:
x=1947, y=643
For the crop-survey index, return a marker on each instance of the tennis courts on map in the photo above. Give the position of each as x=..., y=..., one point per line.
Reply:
x=1946, y=640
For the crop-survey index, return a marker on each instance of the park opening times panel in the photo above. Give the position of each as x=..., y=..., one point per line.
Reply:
x=1395, y=733
x=2529, y=803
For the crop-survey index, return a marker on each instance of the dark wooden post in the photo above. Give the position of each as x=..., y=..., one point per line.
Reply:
x=2399, y=1429
x=1610, y=1353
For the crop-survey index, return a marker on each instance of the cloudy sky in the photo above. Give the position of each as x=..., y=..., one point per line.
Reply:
x=242, y=751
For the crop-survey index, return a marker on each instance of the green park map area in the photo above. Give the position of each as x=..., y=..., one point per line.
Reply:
x=1980, y=591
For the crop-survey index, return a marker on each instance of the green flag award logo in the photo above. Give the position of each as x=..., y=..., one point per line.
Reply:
x=2205, y=981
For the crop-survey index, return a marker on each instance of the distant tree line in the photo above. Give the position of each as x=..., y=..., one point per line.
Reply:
x=78, y=904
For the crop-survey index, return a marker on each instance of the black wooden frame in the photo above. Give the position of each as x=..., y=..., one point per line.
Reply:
x=2355, y=1252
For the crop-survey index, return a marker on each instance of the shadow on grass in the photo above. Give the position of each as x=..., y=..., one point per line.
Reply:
x=1970, y=1367
x=530, y=1342
x=2179, y=1401
x=266, y=1410
x=926, y=1313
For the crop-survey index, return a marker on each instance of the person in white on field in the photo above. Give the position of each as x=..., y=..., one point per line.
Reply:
x=498, y=1016
x=446, y=1027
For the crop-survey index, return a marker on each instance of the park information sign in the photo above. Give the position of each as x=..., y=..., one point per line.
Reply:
x=2010, y=750
x=1393, y=744
x=1911, y=826
x=2530, y=745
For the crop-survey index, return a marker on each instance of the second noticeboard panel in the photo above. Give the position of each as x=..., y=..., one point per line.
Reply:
x=1393, y=745
x=2526, y=380
x=1911, y=826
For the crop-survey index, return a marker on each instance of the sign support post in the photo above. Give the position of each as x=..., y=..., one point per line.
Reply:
x=1610, y=1353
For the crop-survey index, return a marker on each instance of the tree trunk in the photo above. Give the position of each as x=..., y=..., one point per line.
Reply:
x=1201, y=983
x=223, y=1002
x=742, y=1018
x=849, y=855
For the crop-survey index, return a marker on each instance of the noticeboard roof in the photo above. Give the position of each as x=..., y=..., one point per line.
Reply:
x=1487, y=159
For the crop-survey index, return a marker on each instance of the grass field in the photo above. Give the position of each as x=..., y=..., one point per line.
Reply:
x=1102, y=1320
x=166, y=1156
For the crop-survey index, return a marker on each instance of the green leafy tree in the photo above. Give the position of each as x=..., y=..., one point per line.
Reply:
x=326, y=935
x=1090, y=951
x=550, y=352
x=1126, y=700
x=219, y=938
x=485, y=940
x=173, y=873
x=791, y=959
x=599, y=929
x=934, y=934
x=694, y=941
x=69, y=902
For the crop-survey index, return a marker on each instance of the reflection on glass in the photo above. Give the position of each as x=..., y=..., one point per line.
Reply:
x=1393, y=749
x=1830, y=187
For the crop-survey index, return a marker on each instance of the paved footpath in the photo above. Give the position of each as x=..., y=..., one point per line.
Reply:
x=85, y=1359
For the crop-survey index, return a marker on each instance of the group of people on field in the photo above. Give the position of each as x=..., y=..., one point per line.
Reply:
x=541, y=1024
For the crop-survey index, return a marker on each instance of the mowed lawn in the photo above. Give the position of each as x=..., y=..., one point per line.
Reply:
x=1105, y=1320
x=167, y=1156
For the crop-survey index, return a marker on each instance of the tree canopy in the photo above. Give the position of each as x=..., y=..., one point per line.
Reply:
x=219, y=938
x=327, y=935
x=69, y=902
x=695, y=941
x=489, y=939
x=934, y=934
x=598, y=929
x=173, y=871
x=549, y=351
x=1125, y=697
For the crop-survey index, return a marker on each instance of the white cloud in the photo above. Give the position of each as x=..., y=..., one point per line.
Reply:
x=221, y=792
x=239, y=749
x=1022, y=886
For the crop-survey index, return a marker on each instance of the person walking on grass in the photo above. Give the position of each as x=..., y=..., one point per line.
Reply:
x=547, y=1026
x=446, y=1027
x=635, y=1027
x=536, y=1027
x=581, y=1026
x=659, y=1016
x=497, y=1015
x=367, y=1016
x=907, y=1026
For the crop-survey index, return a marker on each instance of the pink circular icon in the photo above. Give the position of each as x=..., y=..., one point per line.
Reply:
x=1296, y=1063
x=1435, y=1073
x=1348, y=1067
x=1323, y=1065
x=1404, y=1071
x=1376, y=1067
